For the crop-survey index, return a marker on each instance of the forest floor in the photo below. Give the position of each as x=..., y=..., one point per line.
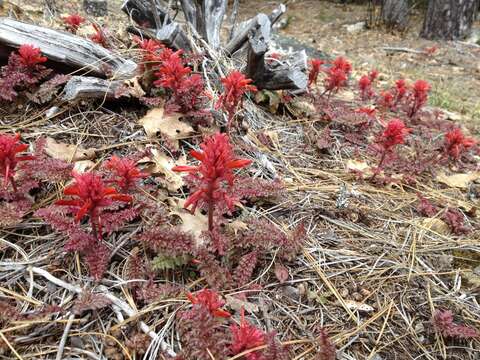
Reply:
x=374, y=269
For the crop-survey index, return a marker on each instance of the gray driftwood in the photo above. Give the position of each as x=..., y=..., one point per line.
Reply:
x=206, y=16
x=65, y=48
x=141, y=12
x=86, y=87
x=240, y=37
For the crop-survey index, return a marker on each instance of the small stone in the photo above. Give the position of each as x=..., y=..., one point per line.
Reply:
x=354, y=28
x=95, y=7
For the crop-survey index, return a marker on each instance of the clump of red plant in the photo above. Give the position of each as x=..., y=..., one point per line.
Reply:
x=443, y=324
x=456, y=144
x=235, y=86
x=73, y=22
x=212, y=179
x=211, y=301
x=10, y=147
x=393, y=135
x=91, y=198
x=245, y=337
x=187, y=89
x=315, y=68
x=365, y=84
x=418, y=96
x=337, y=75
x=124, y=173
x=327, y=348
x=24, y=69
x=99, y=37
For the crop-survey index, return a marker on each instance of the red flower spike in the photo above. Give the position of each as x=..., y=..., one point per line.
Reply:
x=73, y=22
x=92, y=196
x=125, y=171
x=10, y=146
x=456, y=143
x=214, y=176
x=315, y=68
x=393, y=135
x=245, y=337
x=341, y=63
x=30, y=56
x=172, y=72
x=401, y=89
x=335, y=80
x=373, y=75
x=210, y=300
x=419, y=96
x=235, y=86
x=99, y=36
x=365, y=86
x=386, y=100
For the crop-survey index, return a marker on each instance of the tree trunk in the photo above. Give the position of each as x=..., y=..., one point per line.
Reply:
x=395, y=14
x=449, y=19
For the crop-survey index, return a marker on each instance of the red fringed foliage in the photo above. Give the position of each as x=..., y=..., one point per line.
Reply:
x=73, y=22
x=10, y=147
x=11, y=213
x=365, y=86
x=401, y=89
x=315, y=68
x=202, y=334
x=91, y=198
x=244, y=270
x=97, y=258
x=425, y=207
x=255, y=188
x=275, y=350
x=23, y=70
x=386, y=100
x=456, y=144
x=125, y=173
x=235, y=86
x=213, y=178
x=168, y=241
x=327, y=348
x=455, y=221
x=216, y=276
x=246, y=336
x=211, y=301
x=45, y=168
x=443, y=324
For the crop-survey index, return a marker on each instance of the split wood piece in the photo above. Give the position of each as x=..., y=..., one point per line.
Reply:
x=290, y=73
x=142, y=13
x=65, y=48
x=84, y=87
x=206, y=16
x=241, y=35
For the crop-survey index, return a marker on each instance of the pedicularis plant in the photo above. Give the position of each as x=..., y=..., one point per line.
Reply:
x=211, y=182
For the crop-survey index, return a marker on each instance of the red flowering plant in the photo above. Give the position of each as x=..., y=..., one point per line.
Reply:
x=100, y=36
x=13, y=202
x=245, y=337
x=105, y=208
x=365, y=85
x=456, y=144
x=211, y=301
x=444, y=325
x=73, y=22
x=235, y=86
x=337, y=76
x=124, y=173
x=393, y=135
x=24, y=69
x=211, y=181
x=417, y=97
x=315, y=68
x=187, y=90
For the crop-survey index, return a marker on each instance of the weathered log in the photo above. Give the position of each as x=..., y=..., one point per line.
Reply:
x=171, y=35
x=240, y=37
x=290, y=73
x=141, y=12
x=258, y=38
x=65, y=48
x=86, y=87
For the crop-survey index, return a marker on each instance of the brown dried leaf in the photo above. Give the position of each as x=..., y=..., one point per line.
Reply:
x=237, y=304
x=195, y=224
x=436, y=225
x=156, y=123
x=67, y=152
x=161, y=165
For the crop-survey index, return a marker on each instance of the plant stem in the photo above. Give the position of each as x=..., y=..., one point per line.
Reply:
x=210, y=208
x=379, y=167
